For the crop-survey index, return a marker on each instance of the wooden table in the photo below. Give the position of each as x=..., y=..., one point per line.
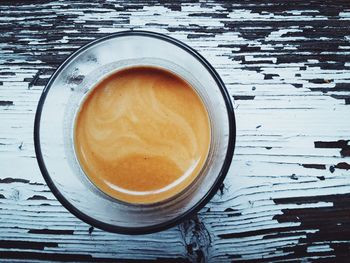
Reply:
x=287, y=194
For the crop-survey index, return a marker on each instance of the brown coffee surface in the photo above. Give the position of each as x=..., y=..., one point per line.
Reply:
x=142, y=135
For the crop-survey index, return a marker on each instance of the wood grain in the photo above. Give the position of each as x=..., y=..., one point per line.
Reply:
x=286, y=64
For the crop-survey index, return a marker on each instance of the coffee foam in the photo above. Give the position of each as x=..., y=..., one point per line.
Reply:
x=142, y=135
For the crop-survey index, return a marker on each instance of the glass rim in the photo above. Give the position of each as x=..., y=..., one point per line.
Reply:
x=187, y=214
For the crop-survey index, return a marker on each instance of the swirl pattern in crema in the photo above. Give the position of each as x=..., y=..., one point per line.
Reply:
x=142, y=135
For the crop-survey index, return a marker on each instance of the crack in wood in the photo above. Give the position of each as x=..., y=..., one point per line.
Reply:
x=6, y=103
x=51, y=232
x=33, y=82
x=343, y=165
x=79, y=257
x=243, y=97
x=314, y=166
x=232, y=212
x=197, y=240
x=37, y=197
x=10, y=180
x=14, y=244
x=342, y=144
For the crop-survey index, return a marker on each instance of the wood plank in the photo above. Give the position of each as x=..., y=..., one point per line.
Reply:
x=286, y=64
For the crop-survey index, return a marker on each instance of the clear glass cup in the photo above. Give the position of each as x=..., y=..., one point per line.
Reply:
x=60, y=101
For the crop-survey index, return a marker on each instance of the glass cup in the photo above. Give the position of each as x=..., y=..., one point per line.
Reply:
x=60, y=102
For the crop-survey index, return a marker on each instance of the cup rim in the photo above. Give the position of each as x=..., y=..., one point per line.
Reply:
x=190, y=212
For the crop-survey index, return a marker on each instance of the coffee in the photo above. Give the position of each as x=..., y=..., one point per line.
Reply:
x=142, y=135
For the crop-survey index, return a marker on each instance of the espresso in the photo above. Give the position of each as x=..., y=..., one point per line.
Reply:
x=142, y=135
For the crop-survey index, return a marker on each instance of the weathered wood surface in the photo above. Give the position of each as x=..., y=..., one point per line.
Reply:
x=287, y=195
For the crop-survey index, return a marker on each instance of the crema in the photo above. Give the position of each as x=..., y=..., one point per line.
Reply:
x=142, y=135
